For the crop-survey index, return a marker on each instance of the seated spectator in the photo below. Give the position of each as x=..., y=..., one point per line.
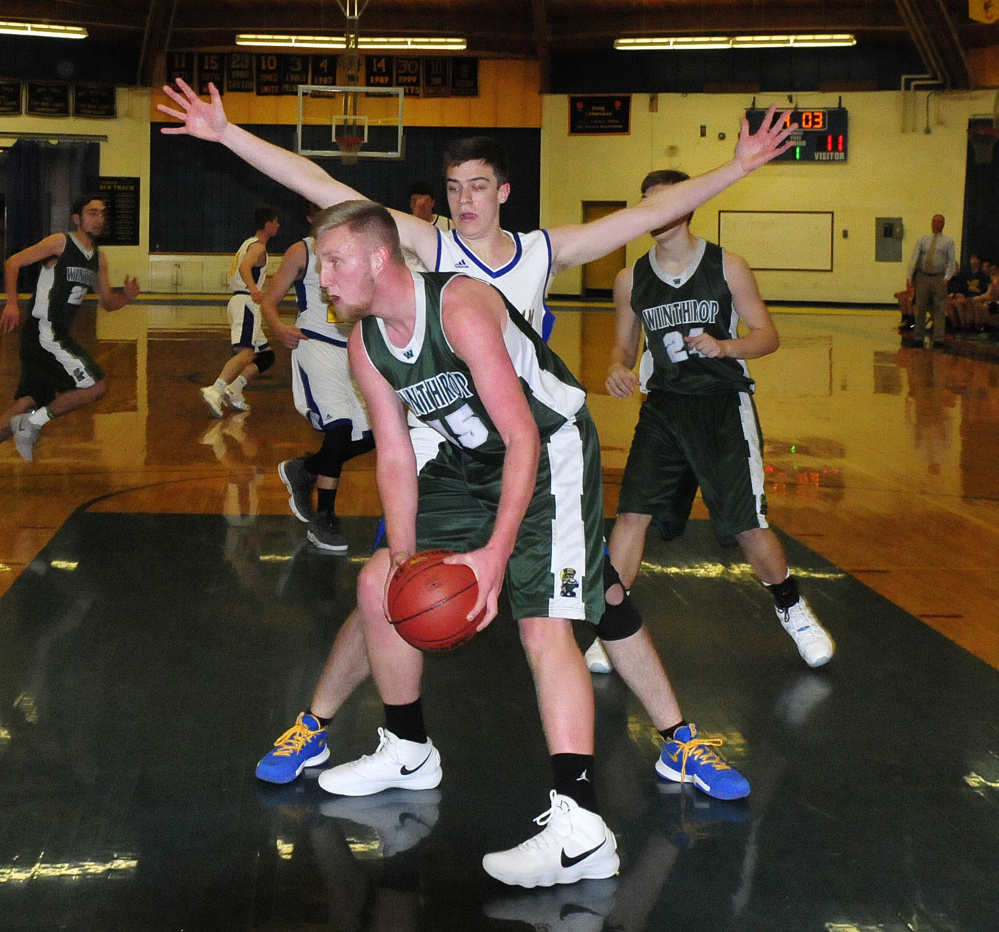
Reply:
x=963, y=289
x=986, y=306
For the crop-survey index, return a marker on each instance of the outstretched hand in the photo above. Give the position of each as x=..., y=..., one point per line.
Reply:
x=202, y=120
x=769, y=141
x=131, y=288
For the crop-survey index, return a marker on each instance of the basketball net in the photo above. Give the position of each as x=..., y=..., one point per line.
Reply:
x=349, y=146
x=983, y=144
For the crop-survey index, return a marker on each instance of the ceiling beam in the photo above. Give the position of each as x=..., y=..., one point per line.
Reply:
x=542, y=44
x=936, y=39
x=156, y=42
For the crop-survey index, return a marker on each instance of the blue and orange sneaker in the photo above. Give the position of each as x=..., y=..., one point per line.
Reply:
x=303, y=745
x=689, y=758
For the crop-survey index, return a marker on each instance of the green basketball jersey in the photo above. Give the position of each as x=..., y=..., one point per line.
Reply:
x=698, y=300
x=438, y=388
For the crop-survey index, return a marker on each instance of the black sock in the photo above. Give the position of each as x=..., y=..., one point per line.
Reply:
x=669, y=734
x=573, y=774
x=406, y=721
x=326, y=501
x=323, y=722
x=785, y=593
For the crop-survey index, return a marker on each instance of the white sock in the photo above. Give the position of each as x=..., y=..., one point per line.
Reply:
x=237, y=385
x=40, y=417
x=219, y=385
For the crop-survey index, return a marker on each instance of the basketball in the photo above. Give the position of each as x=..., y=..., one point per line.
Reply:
x=429, y=601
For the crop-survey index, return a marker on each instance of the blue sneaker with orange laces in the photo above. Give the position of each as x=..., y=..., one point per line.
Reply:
x=303, y=745
x=689, y=758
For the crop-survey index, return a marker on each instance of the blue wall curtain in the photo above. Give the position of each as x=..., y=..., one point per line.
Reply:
x=43, y=180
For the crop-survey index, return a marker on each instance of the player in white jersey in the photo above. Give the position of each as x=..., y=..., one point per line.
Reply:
x=251, y=353
x=323, y=390
x=477, y=185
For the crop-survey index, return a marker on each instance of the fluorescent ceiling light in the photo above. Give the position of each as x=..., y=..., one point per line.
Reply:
x=675, y=42
x=46, y=30
x=827, y=40
x=439, y=43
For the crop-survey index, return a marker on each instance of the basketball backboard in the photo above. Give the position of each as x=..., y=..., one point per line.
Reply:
x=349, y=122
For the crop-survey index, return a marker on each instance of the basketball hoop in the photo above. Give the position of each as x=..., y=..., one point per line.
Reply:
x=349, y=146
x=983, y=143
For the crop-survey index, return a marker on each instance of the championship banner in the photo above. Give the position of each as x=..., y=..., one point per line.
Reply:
x=984, y=11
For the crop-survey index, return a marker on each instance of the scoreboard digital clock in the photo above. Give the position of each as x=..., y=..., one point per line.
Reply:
x=821, y=136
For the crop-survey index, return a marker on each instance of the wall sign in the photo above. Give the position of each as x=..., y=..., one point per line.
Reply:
x=10, y=97
x=593, y=115
x=121, y=195
x=94, y=100
x=47, y=99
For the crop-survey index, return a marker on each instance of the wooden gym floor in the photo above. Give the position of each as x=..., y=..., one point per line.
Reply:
x=162, y=620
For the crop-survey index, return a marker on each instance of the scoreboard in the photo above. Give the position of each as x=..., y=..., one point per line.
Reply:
x=821, y=136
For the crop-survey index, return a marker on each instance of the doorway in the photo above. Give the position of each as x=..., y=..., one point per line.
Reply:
x=599, y=275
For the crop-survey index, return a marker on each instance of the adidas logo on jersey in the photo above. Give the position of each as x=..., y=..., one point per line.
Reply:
x=461, y=264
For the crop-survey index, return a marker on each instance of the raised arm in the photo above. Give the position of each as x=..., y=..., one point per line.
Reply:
x=44, y=249
x=474, y=318
x=292, y=267
x=762, y=339
x=621, y=379
x=207, y=120
x=111, y=300
x=580, y=243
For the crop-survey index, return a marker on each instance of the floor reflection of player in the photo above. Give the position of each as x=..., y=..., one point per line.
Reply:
x=376, y=892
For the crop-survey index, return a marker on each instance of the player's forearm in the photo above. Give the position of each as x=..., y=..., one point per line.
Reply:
x=622, y=355
x=397, y=488
x=11, y=268
x=292, y=170
x=755, y=344
x=115, y=302
x=269, y=311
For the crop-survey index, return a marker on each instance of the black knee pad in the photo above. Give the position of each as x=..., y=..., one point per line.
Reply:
x=329, y=459
x=618, y=621
x=264, y=360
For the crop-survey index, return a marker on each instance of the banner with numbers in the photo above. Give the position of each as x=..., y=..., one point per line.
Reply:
x=211, y=71
x=180, y=65
x=239, y=73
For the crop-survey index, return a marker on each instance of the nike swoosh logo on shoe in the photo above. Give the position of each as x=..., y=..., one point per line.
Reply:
x=406, y=771
x=568, y=861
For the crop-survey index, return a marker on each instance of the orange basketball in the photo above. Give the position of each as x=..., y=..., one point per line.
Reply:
x=429, y=601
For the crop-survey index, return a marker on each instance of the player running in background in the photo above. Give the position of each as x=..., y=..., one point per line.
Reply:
x=323, y=391
x=57, y=374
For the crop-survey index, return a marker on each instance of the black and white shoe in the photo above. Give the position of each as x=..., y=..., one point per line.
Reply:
x=408, y=765
x=574, y=845
x=300, y=483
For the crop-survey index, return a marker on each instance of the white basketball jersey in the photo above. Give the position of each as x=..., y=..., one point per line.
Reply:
x=236, y=282
x=523, y=280
x=315, y=316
